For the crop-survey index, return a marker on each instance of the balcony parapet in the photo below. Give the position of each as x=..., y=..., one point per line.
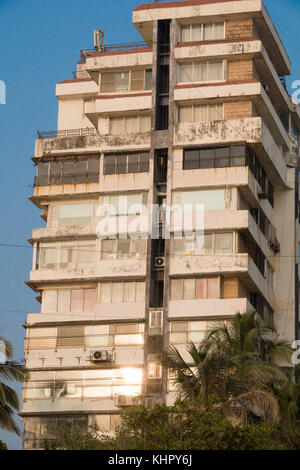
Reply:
x=92, y=141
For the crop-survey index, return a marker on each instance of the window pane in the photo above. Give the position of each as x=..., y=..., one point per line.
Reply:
x=121, y=164
x=222, y=157
x=186, y=114
x=116, y=125
x=212, y=288
x=144, y=163
x=137, y=80
x=105, y=293
x=122, y=81
x=177, y=289
x=64, y=300
x=223, y=243
x=215, y=113
x=189, y=289
x=123, y=248
x=90, y=300
x=131, y=124
x=117, y=292
x=129, y=292
x=107, y=82
x=133, y=163
x=191, y=159
x=108, y=249
x=200, y=113
x=219, y=31
x=185, y=72
x=74, y=214
x=196, y=32
x=185, y=33
x=207, y=158
x=148, y=80
x=200, y=72
x=207, y=32
x=109, y=165
x=77, y=300
x=50, y=301
x=201, y=288
x=140, y=291
x=215, y=71
x=145, y=123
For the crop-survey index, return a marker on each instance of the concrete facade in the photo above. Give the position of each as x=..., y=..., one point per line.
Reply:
x=213, y=122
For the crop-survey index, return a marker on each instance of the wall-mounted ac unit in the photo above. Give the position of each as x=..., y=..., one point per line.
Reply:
x=125, y=400
x=100, y=356
x=159, y=262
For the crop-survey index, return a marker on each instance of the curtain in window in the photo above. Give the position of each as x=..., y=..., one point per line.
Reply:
x=223, y=242
x=116, y=125
x=196, y=32
x=186, y=114
x=200, y=72
x=185, y=33
x=215, y=70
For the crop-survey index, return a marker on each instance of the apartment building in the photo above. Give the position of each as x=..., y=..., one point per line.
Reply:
x=197, y=112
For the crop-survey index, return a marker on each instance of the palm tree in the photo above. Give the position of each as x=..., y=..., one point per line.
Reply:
x=9, y=402
x=241, y=361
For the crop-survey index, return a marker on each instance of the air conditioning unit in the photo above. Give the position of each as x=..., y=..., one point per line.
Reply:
x=100, y=356
x=160, y=262
x=125, y=400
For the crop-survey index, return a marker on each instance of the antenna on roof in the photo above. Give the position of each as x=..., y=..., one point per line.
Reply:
x=99, y=39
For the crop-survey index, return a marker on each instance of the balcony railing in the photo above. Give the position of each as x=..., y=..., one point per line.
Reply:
x=67, y=133
x=115, y=47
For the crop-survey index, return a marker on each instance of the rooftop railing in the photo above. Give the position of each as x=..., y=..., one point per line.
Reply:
x=67, y=133
x=115, y=47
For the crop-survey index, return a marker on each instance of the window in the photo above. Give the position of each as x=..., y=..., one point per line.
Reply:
x=202, y=32
x=156, y=319
x=200, y=113
x=67, y=255
x=129, y=124
x=69, y=300
x=134, y=80
x=70, y=337
x=195, y=288
x=213, y=243
x=123, y=249
x=62, y=215
x=75, y=171
x=154, y=370
x=130, y=163
x=186, y=332
x=126, y=204
x=201, y=71
x=122, y=292
x=213, y=199
x=219, y=157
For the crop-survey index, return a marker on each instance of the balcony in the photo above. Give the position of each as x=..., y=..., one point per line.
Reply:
x=119, y=47
x=81, y=140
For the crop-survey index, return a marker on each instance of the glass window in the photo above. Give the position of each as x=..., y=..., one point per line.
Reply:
x=219, y=31
x=129, y=292
x=196, y=32
x=64, y=300
x=77, y=300
x=200, y=72
x=186, y=72
x=189, y=289
x=122, y=81
x=177, y=289
x=117, y=292
x=148, y=79
x=186, y=114
x=215, y=71
x=212, y=288
x=185, y=33
x=50, y=301
x=140, y=291
x=223, y=243
x=105, y=293
x=116, y=125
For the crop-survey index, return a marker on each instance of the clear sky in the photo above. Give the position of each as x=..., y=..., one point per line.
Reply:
x=40, y=43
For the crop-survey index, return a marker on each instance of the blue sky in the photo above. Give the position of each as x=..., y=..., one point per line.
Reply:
x=40, y=42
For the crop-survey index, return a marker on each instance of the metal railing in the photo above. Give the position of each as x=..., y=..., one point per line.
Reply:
x=67, y=133
x=115, y=47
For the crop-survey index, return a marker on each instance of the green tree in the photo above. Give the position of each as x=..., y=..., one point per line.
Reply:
x=10, y=371
x=3, y=446
x=242, y=362
x=183, y=426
